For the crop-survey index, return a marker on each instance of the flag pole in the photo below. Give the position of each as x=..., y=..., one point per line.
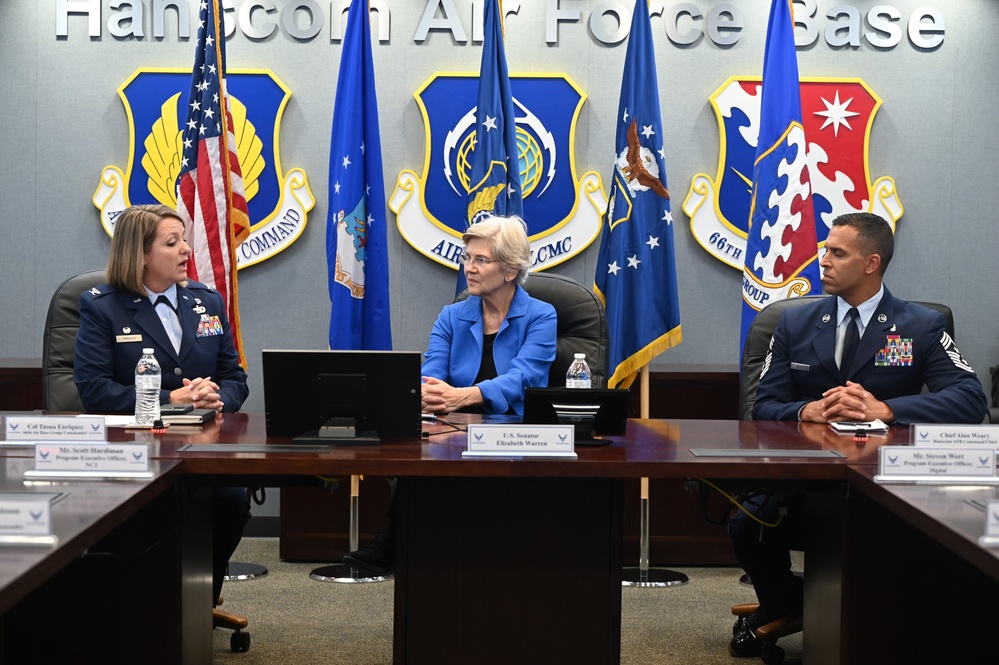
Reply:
x=644, y=576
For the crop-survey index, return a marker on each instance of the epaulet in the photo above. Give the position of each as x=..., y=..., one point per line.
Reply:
x=100, y=290
x=198, y=286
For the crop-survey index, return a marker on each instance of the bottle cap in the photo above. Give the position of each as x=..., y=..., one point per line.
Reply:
x=148, y=352
x=580, y=355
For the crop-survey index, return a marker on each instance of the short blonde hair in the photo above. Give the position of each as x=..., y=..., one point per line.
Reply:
x=507, y=237
x=134, y=233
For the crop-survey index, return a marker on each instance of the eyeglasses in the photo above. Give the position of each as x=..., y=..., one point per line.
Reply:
x=479, y=261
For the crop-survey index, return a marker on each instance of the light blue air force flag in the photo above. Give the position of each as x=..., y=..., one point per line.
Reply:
x=636, y=268
x=356, y=255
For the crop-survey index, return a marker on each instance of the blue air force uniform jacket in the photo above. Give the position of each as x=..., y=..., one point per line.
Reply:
x=523, y=350
x=904, y=347
x=116, y=325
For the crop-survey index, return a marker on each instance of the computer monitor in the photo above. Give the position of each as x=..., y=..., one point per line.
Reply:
x=593, y=412
x=342, y=397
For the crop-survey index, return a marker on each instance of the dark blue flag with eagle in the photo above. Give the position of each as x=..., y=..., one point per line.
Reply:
x=636, y=268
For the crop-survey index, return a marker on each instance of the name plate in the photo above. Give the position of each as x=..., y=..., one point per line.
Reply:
x=26, y=519
x=946, y=466
x=89, y=461
x=991, y=536
x=955, y=435
x=520, y=441
x=54, y=428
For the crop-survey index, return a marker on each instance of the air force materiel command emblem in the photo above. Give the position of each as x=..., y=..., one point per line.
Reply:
x=155, y=101
x=563, y=211
x=837, y=115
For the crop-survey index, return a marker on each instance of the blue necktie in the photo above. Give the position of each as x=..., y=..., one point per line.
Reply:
x=850, y=341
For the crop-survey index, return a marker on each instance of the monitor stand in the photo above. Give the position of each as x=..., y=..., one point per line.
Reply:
x=339, y=432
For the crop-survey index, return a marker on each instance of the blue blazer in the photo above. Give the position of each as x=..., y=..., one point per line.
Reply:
x=523, y=350
x=116, y=325
x=801, y=365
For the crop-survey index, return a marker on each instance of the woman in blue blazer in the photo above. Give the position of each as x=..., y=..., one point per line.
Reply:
x=486, y=350
x=483, y=352
x=188, y=329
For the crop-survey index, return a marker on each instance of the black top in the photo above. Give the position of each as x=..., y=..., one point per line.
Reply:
x=487, y=370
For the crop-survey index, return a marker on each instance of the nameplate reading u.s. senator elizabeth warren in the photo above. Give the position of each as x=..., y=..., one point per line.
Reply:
x=520, y=441
x=19, y=429
x=25, y=519
x=947, y=466
x=90, y=461
x=991, y=536
x=955, y=435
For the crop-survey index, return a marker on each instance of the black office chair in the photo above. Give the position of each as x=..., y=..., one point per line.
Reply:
x=581, y=328
x=59, y=391
x=61, y=325
x=754, y=354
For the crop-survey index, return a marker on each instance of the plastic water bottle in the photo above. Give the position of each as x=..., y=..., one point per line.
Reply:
x=147, y=389
x=578, y=375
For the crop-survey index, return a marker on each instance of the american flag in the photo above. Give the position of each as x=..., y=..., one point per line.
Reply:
x=210, y=196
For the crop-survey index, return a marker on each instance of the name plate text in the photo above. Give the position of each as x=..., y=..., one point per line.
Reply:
x=520, y=441
x=946, y=465
x=955, y=435
x=26, y=519
x=106, y=460
x=54, y=428
x=991, y=536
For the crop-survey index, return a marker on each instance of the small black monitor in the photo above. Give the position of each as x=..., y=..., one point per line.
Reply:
x=342, y=397
x=593, y=412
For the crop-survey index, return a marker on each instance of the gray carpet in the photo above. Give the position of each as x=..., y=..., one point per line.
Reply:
x=294, y=619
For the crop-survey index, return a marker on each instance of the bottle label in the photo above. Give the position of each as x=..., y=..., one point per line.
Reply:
x=146, y=382
x=577, y=383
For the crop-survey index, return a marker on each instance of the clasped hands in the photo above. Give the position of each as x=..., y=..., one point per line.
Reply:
x=202, y=393
x=440, y=397
x=849, y=402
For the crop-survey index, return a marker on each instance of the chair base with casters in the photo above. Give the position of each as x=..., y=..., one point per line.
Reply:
x=769, y=633
x=239, y=641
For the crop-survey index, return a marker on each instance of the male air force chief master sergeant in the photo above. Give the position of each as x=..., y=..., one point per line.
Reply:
x=148, y=302
x=860, y=354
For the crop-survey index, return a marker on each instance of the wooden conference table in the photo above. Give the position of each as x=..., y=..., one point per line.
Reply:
x=502, y=560
x=112, y=589
x=520, y=560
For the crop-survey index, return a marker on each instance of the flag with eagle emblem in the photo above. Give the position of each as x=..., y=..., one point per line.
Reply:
x=356, y=237
x=210, y=196
x=636, y=267
x=494, y=183
x=781, y=246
